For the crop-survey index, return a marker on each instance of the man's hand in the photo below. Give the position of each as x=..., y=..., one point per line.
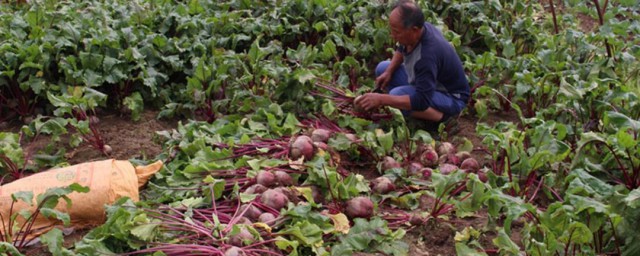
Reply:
x=369, y=101
x=382, y=81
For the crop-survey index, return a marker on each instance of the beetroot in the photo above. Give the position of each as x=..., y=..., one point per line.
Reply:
x=266, y=217
x=426, y=173
x=266, y=178
x=321, y=145
x=107, y=149
x=389, y=163
x=256, y=189
x=414, y=168
x=483, y=176
x=463, y=155
x=242, y=238
x=274, y=199
x=430, y=157
x=301, y=146
x=252, y=212
x=320, y=135
x=453, y=159
x=352, y=137
x=359, y=207
x=416, y=219
x=446, y=148
x=234, y=251
x=244, y=221
x=470, y=165
x=283, y=178
x=382, y=185
x=447, y=168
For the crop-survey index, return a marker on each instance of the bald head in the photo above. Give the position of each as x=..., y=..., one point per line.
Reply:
x=409, y=13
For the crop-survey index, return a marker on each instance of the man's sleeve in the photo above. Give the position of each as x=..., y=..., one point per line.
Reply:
x=426, y=73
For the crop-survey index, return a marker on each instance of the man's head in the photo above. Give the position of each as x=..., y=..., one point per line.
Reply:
x=406, y=21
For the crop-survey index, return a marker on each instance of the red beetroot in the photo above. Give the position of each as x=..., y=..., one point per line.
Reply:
x=352, y=137
x=446, y=148
x=463, y=155
x=359, y=207
x=321, y=145
x=266, y=217
x=483, y=176
x=256, y=189
x=382, y=185
x=414, y=168
x=251, y=212
x=283, y=178
x=234, y=251
x=430, y=157
x=470, y=165
x=274, y=199
x=426, y=173
x=320, y=135
x=301, y=146
x=266, y=178
x=242, y=238
x=389, y=163
x=447, y=168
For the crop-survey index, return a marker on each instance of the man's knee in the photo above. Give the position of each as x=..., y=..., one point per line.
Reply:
x=382, y=66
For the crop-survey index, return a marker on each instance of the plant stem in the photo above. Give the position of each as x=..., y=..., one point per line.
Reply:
x=555, y=20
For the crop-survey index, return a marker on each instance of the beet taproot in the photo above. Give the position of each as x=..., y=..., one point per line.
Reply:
x=301, y=146
x=382, y=185
x=446, y=148
x=414, y=168
x=266, y=178
x=250, y=211
x=256, y=189
x=426, y=173
x=389, y=163
x=242, y=238
x=320, y=135
x=266, y=217
x=283, y=178
x=470, y=165
x=430, y=158
x=447, y=168
x=274, y=199
x=359, y=207
x=234, y=251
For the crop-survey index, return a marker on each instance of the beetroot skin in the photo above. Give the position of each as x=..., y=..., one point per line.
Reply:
x=301, y=146
x=470, y=165
x=382, y=185
x=389, y=163
x=283, y=178
x=414, y=168
x=266, y=178
x=266, y=217
x=242, y=238
x=447, y=168
x=359, y=207
x=446, y=148
x=274, y=199
x=320, y=135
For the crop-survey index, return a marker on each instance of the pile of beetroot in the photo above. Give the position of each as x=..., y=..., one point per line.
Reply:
x=248, y=215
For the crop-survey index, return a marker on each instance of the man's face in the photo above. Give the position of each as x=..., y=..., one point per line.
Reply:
x=399, y=33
